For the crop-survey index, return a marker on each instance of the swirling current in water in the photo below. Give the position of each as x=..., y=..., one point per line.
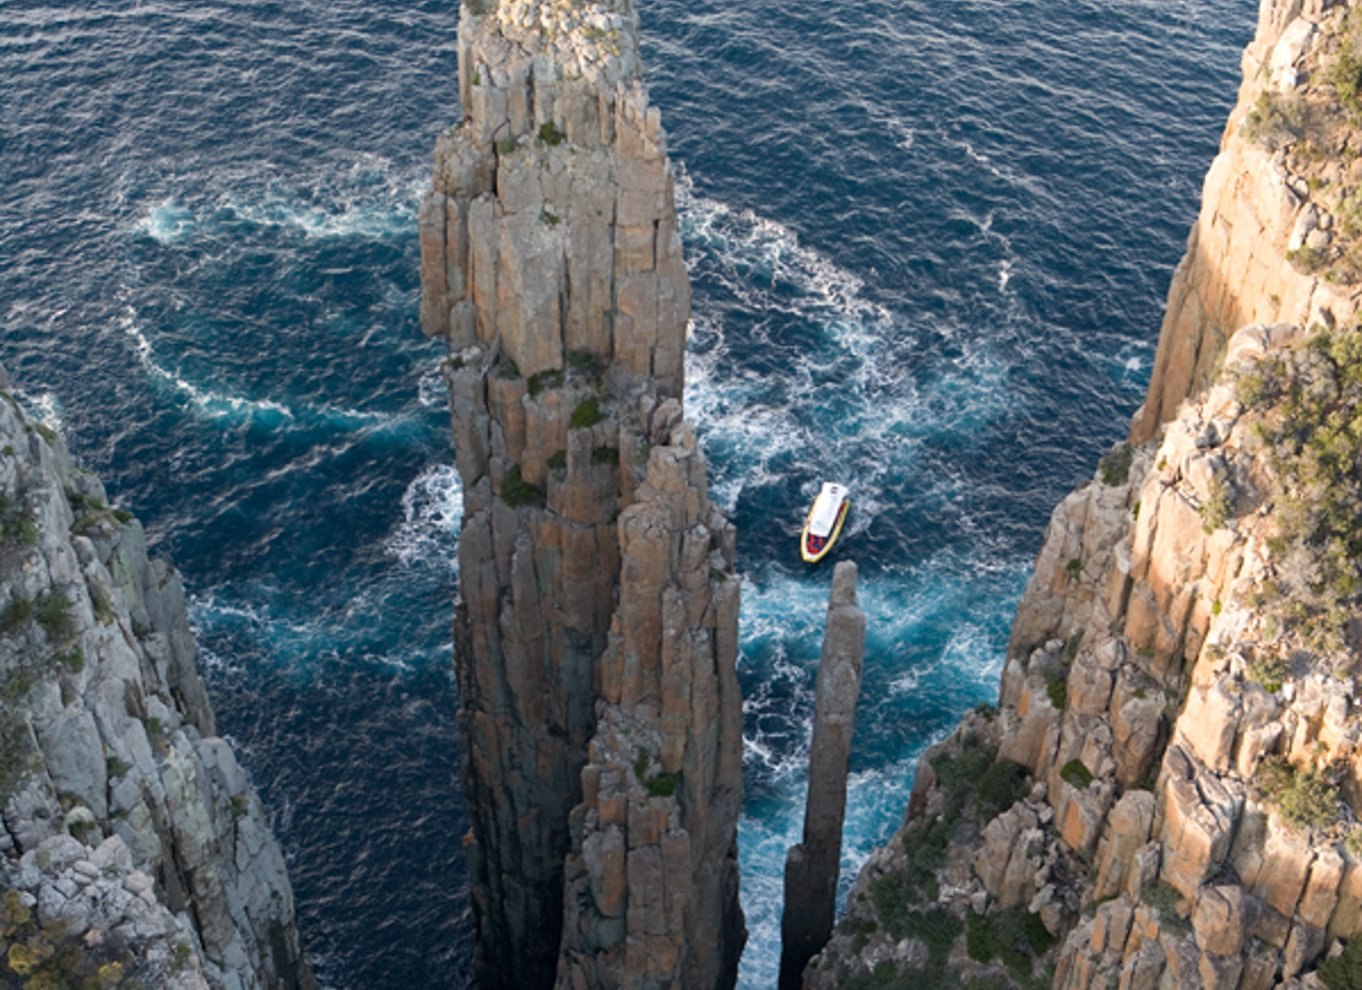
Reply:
x=929, y=241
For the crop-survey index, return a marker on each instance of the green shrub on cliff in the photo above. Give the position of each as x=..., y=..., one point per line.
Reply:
x=46, y=955
x=16, y=615
x=1115, y=466
x=53, y=612
x=663, y=785
x=971, y=778
x=1217, y=508
x=1258, y=388
x=587, y=414
x=15, y=750
x=1056, y=689
x=1164, y=898
x=958, y=772
x=550, y=134
x=1312, y=436
x=553, y=378
x=16, y=525
x=1347, y=211
x=659, y=784
x=1276, y=119
x=1344, y=71
x=1000, y=787
x=1015, y=938
x=1076, y=775
x=516, y=491
x=1343, y=971
x=1269, y=671
x=903, y=915
x=1304, y=798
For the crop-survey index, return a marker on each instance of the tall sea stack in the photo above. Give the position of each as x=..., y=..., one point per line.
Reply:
x=812, y=866
x=596, y=630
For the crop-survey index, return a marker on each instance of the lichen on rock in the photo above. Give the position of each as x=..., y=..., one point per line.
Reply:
x=132, y=837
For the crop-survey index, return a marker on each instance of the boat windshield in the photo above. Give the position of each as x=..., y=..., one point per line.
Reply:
x=824, y=516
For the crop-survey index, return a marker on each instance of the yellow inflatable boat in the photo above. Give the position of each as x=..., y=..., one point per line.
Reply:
x=824, y=522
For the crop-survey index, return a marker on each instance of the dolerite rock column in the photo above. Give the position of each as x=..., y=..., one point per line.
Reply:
x=596, y=633
x=811, y=868
x=128, y=831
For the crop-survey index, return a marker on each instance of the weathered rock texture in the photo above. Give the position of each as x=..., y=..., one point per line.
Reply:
x=1264, y=199
x=1165, y=794
x=812, y=867
x=126, y=819
x=596, y=636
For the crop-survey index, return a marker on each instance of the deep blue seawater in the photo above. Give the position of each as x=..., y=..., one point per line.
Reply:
x=930, y=244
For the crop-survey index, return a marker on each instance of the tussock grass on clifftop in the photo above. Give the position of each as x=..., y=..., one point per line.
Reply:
x=45, y=955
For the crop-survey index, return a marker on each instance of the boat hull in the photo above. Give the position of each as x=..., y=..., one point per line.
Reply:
x=813, y=554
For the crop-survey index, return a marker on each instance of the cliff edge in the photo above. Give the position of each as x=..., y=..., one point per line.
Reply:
x=596, y=629
x=1166, y=794
x=135, y=850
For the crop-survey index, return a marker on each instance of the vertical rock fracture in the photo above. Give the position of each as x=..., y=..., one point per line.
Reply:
x=596, y=632
x=811, y=867
x=132, y=843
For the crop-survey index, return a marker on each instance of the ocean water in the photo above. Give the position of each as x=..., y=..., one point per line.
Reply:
x=929, y=241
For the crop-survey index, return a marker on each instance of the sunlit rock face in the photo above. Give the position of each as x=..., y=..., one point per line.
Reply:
x=1166, y=792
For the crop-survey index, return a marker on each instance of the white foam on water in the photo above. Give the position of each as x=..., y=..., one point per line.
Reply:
x=904, y=135
x=762, y=845
x=432, y=508
x=431, y=389
x=753, y=429
x=45, y=407
x=937, y=601
x=859, y=405
x=259, y=628
x=222, y=406
x=211, y=404
x=205, y=614
x=969, y=655
x=876, y=801
x=750, y=245
x=370, y=200
x=326, y=221
x=1002, y=171
x=167, y=222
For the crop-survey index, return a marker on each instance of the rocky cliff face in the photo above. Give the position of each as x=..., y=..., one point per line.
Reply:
x=596, y=630
x=1165, y=794
x=135, y=848
x=1276, y=239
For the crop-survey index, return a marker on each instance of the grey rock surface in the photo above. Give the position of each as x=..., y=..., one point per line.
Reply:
x=812, y=866
x=109, y=757
x=596, y=631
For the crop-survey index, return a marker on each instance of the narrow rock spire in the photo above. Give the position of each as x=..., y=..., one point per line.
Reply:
x=811, y=867
x=596, y=632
